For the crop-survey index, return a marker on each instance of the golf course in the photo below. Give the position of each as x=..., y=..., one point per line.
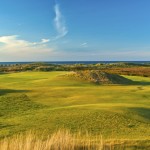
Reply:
x=49, y=101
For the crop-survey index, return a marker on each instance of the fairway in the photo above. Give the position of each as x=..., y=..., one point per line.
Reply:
x=46, y=101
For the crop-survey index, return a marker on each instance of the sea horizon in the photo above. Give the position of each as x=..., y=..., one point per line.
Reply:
x=72, y=62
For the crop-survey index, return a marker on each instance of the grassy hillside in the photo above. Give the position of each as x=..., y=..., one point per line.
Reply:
x=46, y=101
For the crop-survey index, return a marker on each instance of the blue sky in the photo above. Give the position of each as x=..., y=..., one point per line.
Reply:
x=59, y=30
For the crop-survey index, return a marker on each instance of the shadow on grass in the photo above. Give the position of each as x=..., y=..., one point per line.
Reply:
x=7, y=91
x=143, y=112
x=3, y=125
x=3, y=73
x=140, y=83
x=131, y=82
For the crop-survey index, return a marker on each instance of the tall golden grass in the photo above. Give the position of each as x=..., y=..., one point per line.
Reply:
x=61, y=140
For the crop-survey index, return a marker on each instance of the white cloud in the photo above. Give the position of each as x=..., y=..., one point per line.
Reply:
x=14, y=48
x=59, y=23
x=84, y=44
x=45, y=40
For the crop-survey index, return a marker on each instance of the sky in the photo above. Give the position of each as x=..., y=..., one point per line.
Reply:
x=74, y=30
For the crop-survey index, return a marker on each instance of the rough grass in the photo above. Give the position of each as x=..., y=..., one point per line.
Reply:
x=65, y=140
x=46, y=101
x=99, y=77
x=60, y=140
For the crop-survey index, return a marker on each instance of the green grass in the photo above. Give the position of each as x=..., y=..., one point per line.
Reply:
x=47, y=101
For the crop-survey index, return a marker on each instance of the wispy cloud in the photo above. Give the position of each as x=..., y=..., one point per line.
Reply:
x=14, y=47
x=84, y=44
x=59, y=23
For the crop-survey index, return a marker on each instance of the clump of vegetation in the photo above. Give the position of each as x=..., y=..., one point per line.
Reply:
x=132, y=71
x=99, y=77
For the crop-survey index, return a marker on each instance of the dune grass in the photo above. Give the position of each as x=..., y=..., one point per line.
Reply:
x=46, y=101
x=60, y=140
x=65, y=140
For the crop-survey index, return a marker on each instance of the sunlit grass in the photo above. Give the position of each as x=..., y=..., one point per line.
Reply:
x=44, y=100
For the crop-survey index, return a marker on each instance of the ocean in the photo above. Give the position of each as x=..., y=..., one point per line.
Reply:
x=75, y=62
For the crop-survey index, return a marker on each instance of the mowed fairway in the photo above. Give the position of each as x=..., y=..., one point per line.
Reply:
x=46, y=101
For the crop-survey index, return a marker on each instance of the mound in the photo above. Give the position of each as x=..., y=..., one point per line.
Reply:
x=99, y=77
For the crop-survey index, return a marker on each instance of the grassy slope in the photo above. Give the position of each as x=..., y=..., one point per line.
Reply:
x=45, y=101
